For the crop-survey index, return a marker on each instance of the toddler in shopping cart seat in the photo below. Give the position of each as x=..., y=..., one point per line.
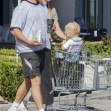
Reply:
x=73, y=44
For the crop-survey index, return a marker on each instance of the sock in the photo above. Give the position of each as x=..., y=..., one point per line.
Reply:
x=41, y=110
x=23, y=104
x=14, y=104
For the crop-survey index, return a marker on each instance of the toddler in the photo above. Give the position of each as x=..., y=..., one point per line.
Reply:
x=74, y=42
x=72, y=45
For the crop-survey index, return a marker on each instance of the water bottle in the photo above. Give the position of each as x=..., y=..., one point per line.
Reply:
x=37, y=35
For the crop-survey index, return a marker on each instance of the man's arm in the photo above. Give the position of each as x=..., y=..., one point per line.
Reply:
x=18, y=34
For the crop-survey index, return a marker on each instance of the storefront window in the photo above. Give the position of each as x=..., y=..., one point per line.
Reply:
x=100, y=14
x=79, y=6
x=91, y=11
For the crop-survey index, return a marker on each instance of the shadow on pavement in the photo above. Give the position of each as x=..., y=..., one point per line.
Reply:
x=2, y=102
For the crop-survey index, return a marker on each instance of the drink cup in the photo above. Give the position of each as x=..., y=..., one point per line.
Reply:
x=50, y=23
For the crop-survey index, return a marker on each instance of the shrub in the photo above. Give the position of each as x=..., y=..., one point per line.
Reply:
x=101, y=47
x=11, y=74
x=7, y=52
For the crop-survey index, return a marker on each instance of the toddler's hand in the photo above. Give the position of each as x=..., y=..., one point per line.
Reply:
x=62, y=43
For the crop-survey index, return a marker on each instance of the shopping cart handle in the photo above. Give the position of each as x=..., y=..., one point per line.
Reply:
x=107, y=59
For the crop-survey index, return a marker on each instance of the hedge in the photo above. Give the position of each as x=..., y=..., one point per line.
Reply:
x=98, y=47
x=11, y=74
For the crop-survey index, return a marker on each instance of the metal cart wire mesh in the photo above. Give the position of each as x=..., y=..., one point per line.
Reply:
x=86, y=72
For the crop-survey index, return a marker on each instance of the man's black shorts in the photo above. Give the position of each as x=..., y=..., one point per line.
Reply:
x=33, y=63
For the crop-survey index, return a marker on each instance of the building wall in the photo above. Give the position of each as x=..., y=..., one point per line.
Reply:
x=65, y=10
x=107, y=15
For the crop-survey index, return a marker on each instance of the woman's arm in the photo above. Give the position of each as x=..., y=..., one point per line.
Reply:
x=58, y=30
x=56, y=25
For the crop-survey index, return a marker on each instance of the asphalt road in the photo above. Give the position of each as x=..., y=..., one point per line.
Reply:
x=100, y=100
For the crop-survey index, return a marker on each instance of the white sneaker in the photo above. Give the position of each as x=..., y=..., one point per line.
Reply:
x=12, y=109
x=52, y=110
x=50, y=107
x=22, y=109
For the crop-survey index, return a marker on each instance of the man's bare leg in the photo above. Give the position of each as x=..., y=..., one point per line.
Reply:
x=21, y=93
x=23, y=90
x=36, y=91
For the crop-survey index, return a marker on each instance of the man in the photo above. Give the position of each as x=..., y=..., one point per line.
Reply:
x=27, y=19
x=46, y=86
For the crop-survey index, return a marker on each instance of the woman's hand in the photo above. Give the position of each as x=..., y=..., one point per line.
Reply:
x=54, y=27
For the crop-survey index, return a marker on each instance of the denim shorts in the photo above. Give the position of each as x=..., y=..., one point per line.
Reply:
x=33, y=63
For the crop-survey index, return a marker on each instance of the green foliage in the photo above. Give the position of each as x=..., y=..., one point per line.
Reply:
x=101, y=47
x=7, y=52
x=11, y=74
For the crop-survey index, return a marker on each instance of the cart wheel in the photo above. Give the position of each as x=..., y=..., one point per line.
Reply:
x=90, y=108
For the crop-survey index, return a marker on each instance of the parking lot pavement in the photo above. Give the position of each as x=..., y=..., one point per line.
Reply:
x=100, y=100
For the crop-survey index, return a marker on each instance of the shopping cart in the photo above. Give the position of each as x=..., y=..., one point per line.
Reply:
x=77, y=73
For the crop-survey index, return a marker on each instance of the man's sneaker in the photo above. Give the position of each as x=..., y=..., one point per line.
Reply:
x=22, y=109
x=12, y=109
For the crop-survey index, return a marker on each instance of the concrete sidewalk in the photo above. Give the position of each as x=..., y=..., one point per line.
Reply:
x=98, y=99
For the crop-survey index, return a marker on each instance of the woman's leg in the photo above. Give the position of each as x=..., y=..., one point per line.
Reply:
x=46, y=86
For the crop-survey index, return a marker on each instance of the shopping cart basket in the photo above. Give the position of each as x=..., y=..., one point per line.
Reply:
x=72, y=73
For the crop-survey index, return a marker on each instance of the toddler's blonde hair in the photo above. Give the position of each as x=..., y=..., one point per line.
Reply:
x=73, y=28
